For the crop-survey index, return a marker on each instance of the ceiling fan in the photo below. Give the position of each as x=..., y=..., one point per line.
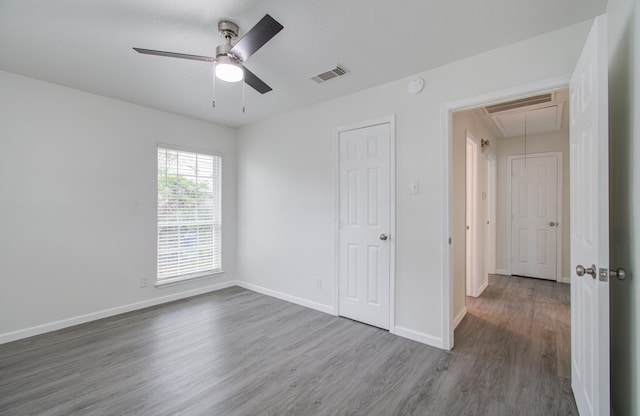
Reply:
x=229, y=59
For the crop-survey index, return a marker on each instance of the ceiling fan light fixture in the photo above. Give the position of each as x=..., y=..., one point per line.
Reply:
x=228, y=64
x=228, y=70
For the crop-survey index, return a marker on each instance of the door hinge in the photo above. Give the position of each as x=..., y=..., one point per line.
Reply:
x=604, y=274
x=449, y=240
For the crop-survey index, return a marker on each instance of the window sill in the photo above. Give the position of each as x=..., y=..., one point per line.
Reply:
x=187, y=279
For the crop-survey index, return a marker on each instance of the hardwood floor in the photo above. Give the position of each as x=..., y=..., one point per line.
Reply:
x=236, y=352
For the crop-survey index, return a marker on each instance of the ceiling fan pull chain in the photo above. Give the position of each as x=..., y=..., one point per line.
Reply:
x=525, y=140
x=243, y=97
x=213, y=103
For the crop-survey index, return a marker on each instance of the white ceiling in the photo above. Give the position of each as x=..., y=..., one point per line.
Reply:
x=86, y=44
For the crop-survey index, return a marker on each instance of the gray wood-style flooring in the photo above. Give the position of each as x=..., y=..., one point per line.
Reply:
x=236, y=352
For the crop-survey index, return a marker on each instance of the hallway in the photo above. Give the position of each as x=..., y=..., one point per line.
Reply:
x=517, y=337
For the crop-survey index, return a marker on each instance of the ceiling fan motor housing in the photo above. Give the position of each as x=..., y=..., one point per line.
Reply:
x=227, y=29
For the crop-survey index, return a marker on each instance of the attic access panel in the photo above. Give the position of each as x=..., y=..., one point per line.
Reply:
x=539, y=120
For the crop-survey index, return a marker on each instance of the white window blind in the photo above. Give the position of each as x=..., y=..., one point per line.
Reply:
x=189, y=217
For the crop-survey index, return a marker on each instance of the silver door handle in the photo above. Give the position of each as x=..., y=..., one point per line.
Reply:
x=552, y=224
x=619, y=273
x=581, y=271
x=383, y=237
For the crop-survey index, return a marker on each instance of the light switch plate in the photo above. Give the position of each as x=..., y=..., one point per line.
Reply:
x=414, y=188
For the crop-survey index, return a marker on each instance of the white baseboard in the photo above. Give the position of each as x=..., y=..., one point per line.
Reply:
x=482, y=288
x=564, y=280
x=289, y=298
x=399, y=331
x=503, y=272
x=93, y=316
x=76, y=320
x=419, y=336
x=459, y=317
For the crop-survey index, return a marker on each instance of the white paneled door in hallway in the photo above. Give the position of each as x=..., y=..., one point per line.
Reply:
x=365, y=224
x=534, y=216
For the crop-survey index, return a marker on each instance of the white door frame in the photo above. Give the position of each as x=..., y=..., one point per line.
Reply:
x=446, y=117
x=559, y=219
x=391, y=121
x=492, y=200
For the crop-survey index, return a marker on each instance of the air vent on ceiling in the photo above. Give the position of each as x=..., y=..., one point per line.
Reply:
x=523, y=102
x=325, y=76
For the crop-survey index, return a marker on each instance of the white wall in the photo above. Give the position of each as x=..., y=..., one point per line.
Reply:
x=557, y=141
x=78, y=201
x=286, y=178
x=624, y=125
x=464, y=121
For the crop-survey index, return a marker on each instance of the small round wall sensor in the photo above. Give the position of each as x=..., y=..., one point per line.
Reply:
x=416, y=85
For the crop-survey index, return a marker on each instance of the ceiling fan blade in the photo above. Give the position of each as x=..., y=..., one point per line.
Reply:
x=175, y=55
x=255, y=38
x=254, y=82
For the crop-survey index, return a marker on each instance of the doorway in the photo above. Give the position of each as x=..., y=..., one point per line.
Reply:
x=503, y=195
x=493, y=187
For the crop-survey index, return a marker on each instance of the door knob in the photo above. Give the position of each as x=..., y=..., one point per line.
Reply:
x=552, y=224
x=383, y=237
x=620, y=273
x=581, y=271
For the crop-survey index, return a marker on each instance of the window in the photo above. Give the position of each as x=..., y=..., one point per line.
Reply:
x=189, y=223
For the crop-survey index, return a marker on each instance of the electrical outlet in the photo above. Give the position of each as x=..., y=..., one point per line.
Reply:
x=319, y=284
x=144, y=281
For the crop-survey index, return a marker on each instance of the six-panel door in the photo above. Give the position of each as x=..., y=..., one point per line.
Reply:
x=364, y=239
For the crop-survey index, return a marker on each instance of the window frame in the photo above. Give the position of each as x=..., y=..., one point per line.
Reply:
x=200, y=274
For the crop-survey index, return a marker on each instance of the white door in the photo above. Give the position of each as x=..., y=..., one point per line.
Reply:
x=590, y=225
x=534, y=208
x=471, y=217
x=364, y=235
